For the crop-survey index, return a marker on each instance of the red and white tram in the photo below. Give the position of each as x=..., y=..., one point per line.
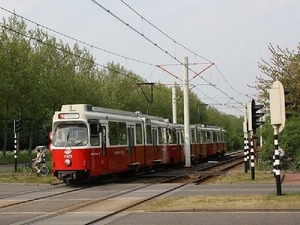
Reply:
x=92, y=142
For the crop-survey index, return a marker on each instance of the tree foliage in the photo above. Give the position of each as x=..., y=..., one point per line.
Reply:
x=285, y=67
x=39, y=74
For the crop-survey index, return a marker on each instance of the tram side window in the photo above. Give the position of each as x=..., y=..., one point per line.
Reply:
x=113, y=133
x=94, y=135
x=122, y=133
x=103, y=137
x=182, y=136
x=149, y=134
x=169, y=136
x=209, y=137
x=160, y=137
x=198, y=137
x=174, y=136
x=203, y=137
x=117, y=133
x=215, y=137
x=163, y=133
x=139, y=134
x=193, y=141
x=221, y=136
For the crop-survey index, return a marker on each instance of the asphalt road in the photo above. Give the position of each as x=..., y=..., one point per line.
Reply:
x=207, y=218
x=8, y=167
x=224, y=217
x=134, y=216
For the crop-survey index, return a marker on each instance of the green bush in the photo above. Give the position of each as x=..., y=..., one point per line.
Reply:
x=289, y=138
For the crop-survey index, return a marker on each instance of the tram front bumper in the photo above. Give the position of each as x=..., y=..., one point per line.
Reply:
x=61, y=175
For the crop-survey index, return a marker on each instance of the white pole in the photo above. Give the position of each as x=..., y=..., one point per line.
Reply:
x=186, y=113
x=261, y=139
x=174, y=103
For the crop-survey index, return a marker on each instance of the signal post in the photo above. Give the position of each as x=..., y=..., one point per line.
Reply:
x=246, y=146
x=278, y=116
x=17, y=129
x=253, y=123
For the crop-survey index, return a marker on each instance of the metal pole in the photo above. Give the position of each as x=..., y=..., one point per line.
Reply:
x=248, y=153
x=245, y=130
x=277, y=160
x=252, y=158
x=186, y=113
x=15, y=151
x=174, y=103
x=245, y=152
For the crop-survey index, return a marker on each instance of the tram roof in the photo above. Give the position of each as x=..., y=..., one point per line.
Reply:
x=90, y=108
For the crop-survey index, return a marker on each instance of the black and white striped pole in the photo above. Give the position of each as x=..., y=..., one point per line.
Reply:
x=246, y=148
x=277, y=161
x=17, y=128
x=252, y=158
x=278, y=116
x=246, y=152
x=15, y=146
x=254, y=122
x=15, y=150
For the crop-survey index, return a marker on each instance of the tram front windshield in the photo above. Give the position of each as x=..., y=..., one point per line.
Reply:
x=70, y=135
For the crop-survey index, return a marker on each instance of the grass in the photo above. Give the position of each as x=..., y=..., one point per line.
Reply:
x=215, y=202
x=10, y=176
x=230, y=202
x=239, y=177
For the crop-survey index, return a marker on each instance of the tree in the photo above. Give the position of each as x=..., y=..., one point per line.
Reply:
x=285, y=67
x=39, y=74
x=15, y=51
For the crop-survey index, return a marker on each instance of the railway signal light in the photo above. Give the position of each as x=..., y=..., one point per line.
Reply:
x=254, y=116
x=17, y=125
x=278, y=105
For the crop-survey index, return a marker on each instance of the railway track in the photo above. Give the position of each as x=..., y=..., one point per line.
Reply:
x=196, y=174
x=100, y=204
x=97, y=204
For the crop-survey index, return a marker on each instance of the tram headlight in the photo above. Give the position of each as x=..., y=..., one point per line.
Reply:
x=68, y=162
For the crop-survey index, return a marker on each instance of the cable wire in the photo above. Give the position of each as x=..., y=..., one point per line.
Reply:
x=77, y=40
x=181, y=45
x=101, y=49
x=156, y=45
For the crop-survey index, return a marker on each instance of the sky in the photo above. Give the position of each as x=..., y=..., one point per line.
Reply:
x=227, y=39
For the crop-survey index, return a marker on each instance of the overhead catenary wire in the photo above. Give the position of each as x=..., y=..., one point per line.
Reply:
x=181, y=45
x=156, y=45
x=75, y=39
x=176, y=42
x=84, y=43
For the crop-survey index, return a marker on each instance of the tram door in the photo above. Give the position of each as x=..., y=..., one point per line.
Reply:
x=130, y=130
x=103, y=151
x=154, y=141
